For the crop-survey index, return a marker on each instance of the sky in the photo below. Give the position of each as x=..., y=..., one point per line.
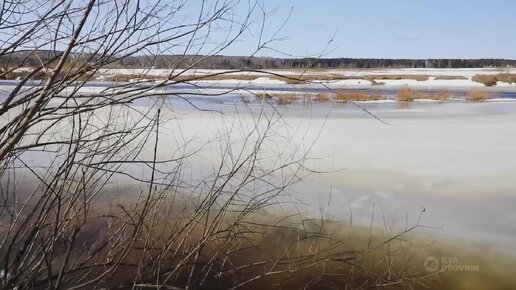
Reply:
x=393, y=28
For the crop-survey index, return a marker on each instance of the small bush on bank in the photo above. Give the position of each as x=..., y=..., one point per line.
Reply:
x=477, y=95
x=405, y=94
x=487, y=80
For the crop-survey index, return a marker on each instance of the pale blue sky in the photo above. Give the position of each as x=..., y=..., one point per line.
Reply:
x=395, y=28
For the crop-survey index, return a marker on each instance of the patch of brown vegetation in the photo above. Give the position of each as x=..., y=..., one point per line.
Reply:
x=440, y=96
x=302, y=79
x=405, y=94
x=360, y=96
x=18, y=75
x=123, y=77
x=263, y=96
x=507, y=78
x=321, y=98
x=492, y=80
x=477, y=95
x=287, y=99
x=447, y=78
x=418, y=78
x=487, y=80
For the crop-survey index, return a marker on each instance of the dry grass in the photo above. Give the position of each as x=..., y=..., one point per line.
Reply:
x=360, y=96
x=123, y=77
x=294, y=79
x=507, y=78
x=487, y=80
x=16, y=75
x=303, y=79
x=288, y=99
x=290, y=79
x=70, y=68
x=492, y=80
x=440, y=96
x=477, y=95
x=405, y=94
x=322, y=98
x=335, y=77
x=263, y=96
x=418, y=78
x=437, y=96
x=447, y=78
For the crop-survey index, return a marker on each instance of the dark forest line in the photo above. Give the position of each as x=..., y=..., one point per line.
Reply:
x=240, y=62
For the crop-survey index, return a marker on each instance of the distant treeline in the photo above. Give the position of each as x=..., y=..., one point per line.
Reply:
x=235, y=62
x=238, y=62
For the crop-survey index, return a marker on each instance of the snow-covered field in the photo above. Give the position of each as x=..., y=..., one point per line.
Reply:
x=269, y=77
x=264, y=79
x=357, y=72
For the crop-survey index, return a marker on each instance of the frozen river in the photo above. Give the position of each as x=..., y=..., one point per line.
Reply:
x=455, y=160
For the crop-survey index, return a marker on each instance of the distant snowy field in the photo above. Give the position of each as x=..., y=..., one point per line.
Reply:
x=270, y=77
x=358, y=72
x=265, y=77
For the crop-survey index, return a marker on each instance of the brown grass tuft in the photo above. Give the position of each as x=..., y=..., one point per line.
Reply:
x=263, y=96
x=441, y=96
x=361, y=96
x=507, y=78
x=438, y=96
x=447, y=78
x=477, y=95
x=418, y=78
x=487, y=80
x=321, y=98
x=405, y=94
x=492, y=80
x=287, y=99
